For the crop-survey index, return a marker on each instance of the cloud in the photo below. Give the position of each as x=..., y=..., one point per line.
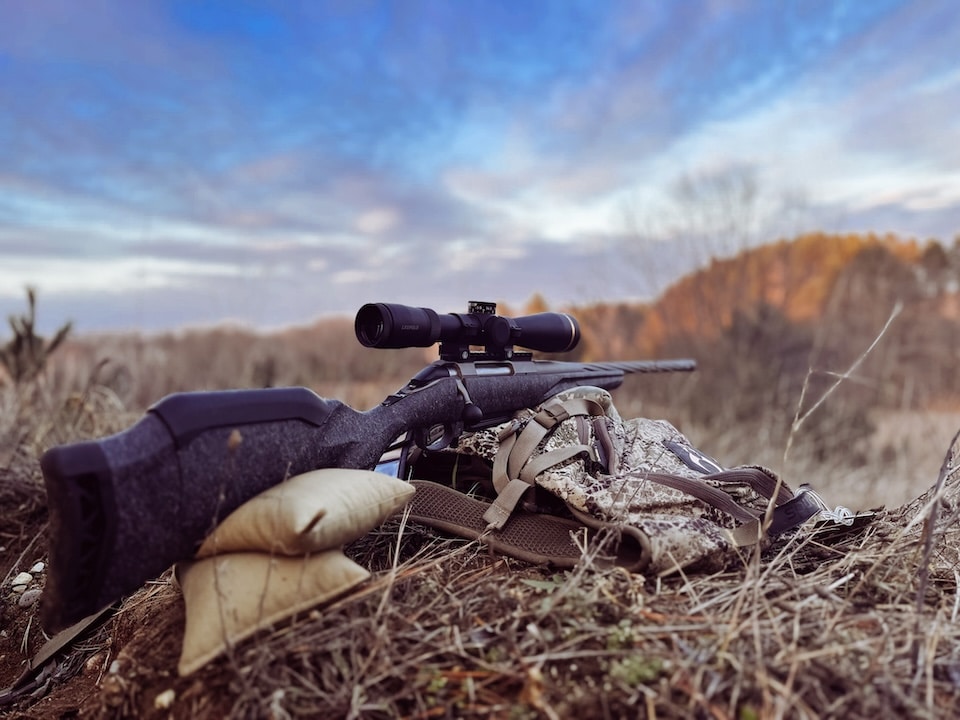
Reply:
x=284, y=286
x=296, y=159
x=378, y=220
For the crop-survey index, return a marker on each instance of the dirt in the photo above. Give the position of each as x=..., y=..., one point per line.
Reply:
x=117, y=669
x=122, y=667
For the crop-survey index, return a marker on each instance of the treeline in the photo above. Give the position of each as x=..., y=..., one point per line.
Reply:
x=140, y=369
x=771, y=329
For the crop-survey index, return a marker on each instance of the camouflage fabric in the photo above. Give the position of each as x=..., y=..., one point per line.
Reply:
x=684, y=531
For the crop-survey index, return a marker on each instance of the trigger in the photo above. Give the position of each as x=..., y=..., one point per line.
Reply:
x=437, y=437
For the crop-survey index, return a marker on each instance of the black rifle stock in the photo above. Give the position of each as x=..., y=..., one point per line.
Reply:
x=125, y=508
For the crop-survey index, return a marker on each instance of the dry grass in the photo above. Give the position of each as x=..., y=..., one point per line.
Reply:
x=819, y=627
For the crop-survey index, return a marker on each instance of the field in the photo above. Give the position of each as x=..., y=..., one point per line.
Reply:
x=852, y=625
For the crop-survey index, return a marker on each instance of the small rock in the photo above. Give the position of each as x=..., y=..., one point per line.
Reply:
x=23, y=578
x=164, y=700
x=38, y=567
x=29, y=597
x=114, y=691
x=94, y=663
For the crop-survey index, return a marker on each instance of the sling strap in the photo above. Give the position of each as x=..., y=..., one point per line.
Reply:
x=514, y=472
x=791, y=509
x=43, y=666
x=516, y=467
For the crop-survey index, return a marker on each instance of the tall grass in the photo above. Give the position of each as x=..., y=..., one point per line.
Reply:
x=856, y=624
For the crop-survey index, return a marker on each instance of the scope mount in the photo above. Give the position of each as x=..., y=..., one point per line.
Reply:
x=460, y=350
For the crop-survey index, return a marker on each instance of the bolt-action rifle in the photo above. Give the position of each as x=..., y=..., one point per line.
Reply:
x=124, y=508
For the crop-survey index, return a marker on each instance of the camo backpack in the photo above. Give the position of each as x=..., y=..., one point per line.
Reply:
x=533, y=488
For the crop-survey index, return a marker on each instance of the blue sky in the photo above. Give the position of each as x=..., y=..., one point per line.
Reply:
x=185, y=163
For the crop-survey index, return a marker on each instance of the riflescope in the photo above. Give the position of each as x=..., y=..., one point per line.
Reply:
x=388, y=325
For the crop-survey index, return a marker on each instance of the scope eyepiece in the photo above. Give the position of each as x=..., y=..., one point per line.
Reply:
x=388, y=325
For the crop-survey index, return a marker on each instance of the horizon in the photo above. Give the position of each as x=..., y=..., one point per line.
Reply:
x=171, y=164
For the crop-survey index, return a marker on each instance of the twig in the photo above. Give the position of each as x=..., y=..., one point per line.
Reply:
x=799, y=419
x=929, y=527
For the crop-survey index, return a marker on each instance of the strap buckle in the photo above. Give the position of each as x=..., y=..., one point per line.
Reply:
x=552, y=415
x=510, y=429
x=840, y=515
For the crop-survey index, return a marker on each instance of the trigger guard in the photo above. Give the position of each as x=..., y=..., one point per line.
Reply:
x=450, y=433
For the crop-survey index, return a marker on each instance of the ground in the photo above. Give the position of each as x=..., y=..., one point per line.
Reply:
x=859, y=624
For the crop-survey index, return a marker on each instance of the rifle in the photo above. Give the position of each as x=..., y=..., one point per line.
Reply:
x=126, y=507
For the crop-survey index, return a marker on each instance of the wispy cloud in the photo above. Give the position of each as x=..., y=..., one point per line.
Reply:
x=269, y=163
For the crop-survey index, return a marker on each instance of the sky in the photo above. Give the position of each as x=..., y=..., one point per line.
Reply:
x=167, y=164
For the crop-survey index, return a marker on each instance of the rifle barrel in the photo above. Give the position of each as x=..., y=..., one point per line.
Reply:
x=649, y=366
